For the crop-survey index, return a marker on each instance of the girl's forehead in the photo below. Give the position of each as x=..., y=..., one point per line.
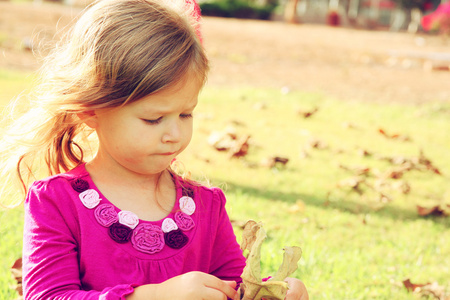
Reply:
x=182, y=95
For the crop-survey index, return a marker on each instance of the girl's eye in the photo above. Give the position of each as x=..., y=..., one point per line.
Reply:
x=153, y=122
x=186, y=116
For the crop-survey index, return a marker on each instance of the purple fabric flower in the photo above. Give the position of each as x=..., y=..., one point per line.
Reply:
x=148, y=238
x=188, y=192
x=79, y=185
x=184, y=221
x=176, y=239
x=106, y=215
x=120, y=233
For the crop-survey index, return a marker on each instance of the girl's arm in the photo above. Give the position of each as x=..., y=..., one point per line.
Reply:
x=50, y=250
x=227, y=260
x=189, y=286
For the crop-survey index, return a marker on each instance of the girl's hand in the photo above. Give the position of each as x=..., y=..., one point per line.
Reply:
x=189, y=286
x=297, y=290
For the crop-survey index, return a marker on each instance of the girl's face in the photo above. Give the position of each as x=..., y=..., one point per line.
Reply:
x=145, y=136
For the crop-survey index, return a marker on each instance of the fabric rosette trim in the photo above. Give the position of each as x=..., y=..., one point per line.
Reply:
x=125, y=226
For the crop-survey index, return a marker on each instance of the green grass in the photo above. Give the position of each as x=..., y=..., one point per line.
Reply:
x=354, y=246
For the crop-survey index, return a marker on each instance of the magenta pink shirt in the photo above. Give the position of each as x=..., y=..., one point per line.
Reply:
x=69, y=251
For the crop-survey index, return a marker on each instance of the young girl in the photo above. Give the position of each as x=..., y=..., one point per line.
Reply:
x=123, y=225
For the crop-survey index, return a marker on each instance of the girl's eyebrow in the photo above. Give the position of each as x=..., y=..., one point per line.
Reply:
x=153, y=110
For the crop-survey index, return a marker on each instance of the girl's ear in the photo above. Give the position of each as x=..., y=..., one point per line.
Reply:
x=89, y=118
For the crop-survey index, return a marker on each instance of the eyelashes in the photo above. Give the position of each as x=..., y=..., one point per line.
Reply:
x=159, y=120
x=153, y=122
x=186, y=116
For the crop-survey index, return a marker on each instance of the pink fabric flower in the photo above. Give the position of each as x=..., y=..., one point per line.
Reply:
x=148, y=238
x=106, y=215
x=184, y=221
x=128, y=218
x=90, y=198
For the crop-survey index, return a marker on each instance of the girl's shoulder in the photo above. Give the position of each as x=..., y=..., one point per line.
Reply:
x=59, y=182
x=201, y=192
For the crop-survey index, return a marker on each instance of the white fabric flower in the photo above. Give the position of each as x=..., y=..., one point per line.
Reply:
x=168, y=225
x=90, y=198
x=128, y=218
x=187, y=205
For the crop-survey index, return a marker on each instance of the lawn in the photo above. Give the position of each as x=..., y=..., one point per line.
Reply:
x=345, y=196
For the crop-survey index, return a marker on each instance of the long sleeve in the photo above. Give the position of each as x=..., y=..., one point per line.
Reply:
x=50, y=249
x=227, y=261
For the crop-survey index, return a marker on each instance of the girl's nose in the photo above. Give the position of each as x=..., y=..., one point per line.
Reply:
x=172, y=133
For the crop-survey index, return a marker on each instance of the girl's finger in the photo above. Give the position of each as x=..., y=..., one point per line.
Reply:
x=222, y=286
x=214, y=294
x=231, y=283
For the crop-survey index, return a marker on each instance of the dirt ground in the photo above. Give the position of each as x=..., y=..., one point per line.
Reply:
x=345, y=63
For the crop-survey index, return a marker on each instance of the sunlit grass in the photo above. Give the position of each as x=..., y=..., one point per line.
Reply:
x=354, y=246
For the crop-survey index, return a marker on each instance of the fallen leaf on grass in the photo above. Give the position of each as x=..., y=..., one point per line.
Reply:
x=358, y=171
x=298, y=207
x=253, y=287
x=420, y=163
x=221, y=141
x=427, y=289
x=240, y=147
x=317, y=144
x=16, y=271
x=437, y=210
x=354, y=183
x=395, y=173
x=427, y=163
x=395, y=136
x=228, y=141
x=273, y=161
x=307, y=113
x=364, y=152
x=411, y=287
x=402, y=186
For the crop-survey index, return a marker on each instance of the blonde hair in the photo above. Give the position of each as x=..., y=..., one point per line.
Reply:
x=118, y=52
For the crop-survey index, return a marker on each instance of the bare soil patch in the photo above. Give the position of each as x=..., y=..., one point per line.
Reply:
x=345, y=63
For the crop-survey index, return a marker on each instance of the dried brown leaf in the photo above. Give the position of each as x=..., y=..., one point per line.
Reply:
x=428, y=164
x=249, y=235
x=289, y=265
x=273, y=161
x=16, y=271
x=307, y=113
x=317, y=144
x=436, y=210
x=253, y=287
x=395, y=136
x=358, y=170
x=411, y=287
x=240, y=147
x=427, y=289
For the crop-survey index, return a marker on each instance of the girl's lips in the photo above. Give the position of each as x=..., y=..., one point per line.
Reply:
x=167, y=153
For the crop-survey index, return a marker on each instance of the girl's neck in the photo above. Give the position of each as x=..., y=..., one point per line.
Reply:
x=118, y=176
x=151, y=197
